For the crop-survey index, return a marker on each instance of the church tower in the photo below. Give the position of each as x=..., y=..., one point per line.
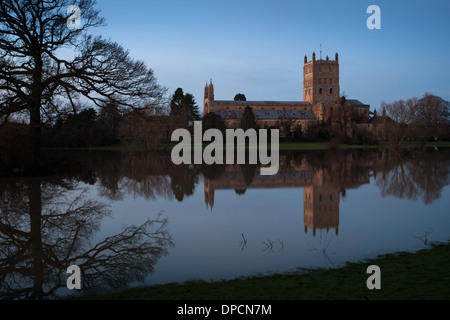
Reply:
x=208, y=98
x=320, y=79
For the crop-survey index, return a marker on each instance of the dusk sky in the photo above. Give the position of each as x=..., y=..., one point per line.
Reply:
x=257, y=47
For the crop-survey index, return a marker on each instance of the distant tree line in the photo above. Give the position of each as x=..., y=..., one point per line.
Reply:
x=420, y=120
x=112, y=124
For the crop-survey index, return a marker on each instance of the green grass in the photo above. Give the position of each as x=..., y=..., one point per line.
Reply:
x=293, y=146
x=423, y=275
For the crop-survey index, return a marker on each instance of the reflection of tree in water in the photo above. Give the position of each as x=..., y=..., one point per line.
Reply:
x=46, y=226
x=212, y=172
x=411, y=174
x=150, y=176
x=415, y=175
x=145, y=176
x=182, y=181
x=248, y=172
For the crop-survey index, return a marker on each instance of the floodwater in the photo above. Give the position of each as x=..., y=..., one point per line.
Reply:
x=129, y=219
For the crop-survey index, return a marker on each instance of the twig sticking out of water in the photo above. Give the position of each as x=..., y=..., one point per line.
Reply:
x=269, y=246
x=243, y=243
x=281, y=244
x=425, y=239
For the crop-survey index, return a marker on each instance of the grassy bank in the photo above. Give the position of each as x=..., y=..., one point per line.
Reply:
x=294, y=146
x=284, y=146
x=423, y=275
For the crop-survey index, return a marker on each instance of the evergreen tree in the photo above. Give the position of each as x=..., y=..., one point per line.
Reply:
x=188, y=103
x=175, y=104
x=213, y=121
x=248, y=119
x=184, y=105
x=240, y=97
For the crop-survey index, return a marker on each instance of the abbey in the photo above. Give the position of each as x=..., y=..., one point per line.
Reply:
x=321, y=94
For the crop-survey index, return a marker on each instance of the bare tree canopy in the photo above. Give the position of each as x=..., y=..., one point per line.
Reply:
x=432, y=115
x=36, y=73
x=420, y=119
x=403, y=115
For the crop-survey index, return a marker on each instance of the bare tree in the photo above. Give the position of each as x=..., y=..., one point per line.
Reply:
x=34, y=76
x=340, y=119
x=432, y=114
x=403, y=114
x=152, y=131
x=286, y=124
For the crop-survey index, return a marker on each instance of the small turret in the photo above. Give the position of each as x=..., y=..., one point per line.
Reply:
x=206, y=91
x=211, y=91
x=314, y=56
x=209, y=97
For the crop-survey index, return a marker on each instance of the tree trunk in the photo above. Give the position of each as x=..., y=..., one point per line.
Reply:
x=35, y=203
x=35, y=123
x=35, y=111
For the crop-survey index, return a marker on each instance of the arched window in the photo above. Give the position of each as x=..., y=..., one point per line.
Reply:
x=320, y=91
x=331, y=91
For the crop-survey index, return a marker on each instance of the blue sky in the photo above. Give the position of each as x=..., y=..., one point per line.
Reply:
x=257, y=47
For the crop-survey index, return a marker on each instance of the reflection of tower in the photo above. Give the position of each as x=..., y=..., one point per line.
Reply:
x=209, y=194
x=321, y=209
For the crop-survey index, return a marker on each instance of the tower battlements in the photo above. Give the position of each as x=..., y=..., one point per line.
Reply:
x=320, y=79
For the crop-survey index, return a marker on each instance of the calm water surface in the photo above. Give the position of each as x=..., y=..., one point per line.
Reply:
x=133, y=219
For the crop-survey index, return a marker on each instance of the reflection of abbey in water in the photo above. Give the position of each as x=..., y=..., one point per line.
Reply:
x=321, y=208
x=322, y=187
